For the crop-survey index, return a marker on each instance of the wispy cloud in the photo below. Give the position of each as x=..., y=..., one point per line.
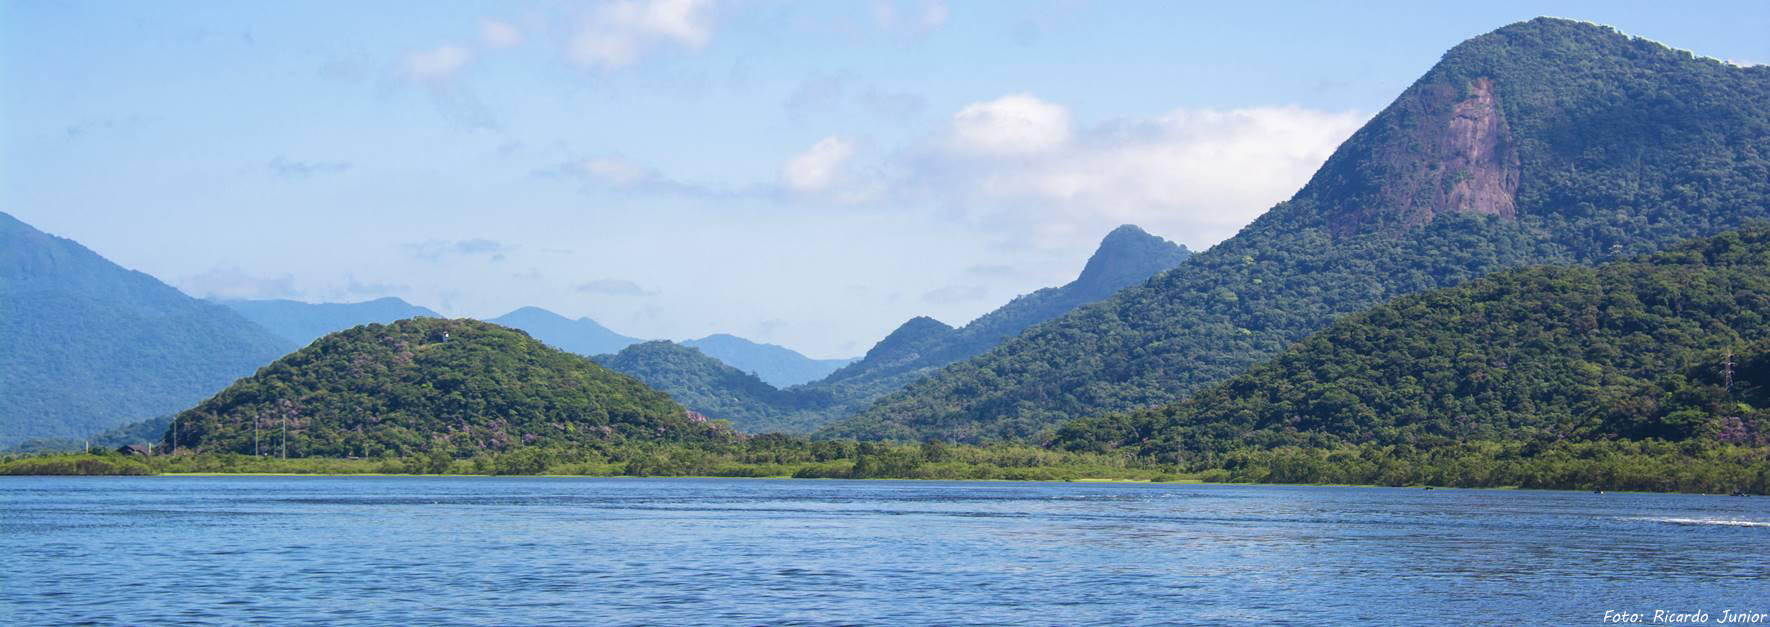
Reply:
x=438, y=250
x=302, y=169
x=498, y=34
x=616, y=34
x=954, y=294
x=914, y=17
x=437, y=63
x=613, y=287
x=1016, y=125
x=234, y=283
x=1021, y=165
x=816, y=168
x=834, y=92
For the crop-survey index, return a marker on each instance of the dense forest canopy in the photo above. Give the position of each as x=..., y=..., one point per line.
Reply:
x=1542, y=353
x=708, y=386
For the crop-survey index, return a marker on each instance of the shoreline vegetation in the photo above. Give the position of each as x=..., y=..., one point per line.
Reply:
x=1622, y=466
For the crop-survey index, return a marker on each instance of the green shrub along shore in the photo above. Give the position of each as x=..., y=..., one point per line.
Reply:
x=1647, y=465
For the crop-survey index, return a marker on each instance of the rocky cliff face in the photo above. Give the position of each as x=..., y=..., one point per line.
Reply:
x=1449, y=151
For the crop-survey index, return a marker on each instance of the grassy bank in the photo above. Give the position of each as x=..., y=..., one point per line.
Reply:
x=1620, y=466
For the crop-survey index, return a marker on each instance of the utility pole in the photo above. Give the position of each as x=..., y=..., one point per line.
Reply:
x=255, y=452
x=285, y=434
x=1729, y=375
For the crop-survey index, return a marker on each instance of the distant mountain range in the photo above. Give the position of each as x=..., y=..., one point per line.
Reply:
x=302, y=323
x=582, y=336
x=1548, y=141
x=1126, y=256
x=86, y=345
x=779, y=366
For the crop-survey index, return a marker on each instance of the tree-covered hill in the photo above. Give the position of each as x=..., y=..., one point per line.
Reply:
x=1548, y=141
x=426, y=384
x=708, y=386
x=301, y=323
x=86, y=345
x=1536, y=354
x=1724, y=398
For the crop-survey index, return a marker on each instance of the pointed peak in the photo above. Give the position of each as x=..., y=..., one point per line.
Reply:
x=1127, y=255
x=531, y=312
x=1125, y=231
x=920, y=324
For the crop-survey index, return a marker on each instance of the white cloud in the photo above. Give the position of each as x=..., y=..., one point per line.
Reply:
x=613, y=287
x=816, y=168
x=1011, y=125
x=617, y=172
x=617, y=33
x=232, y=282
x=499, y=34
x=438, y=63
x=929, y=15
x=934, y=14
x=1016, y=165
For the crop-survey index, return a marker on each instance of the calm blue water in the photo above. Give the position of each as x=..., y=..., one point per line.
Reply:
x=525, y=551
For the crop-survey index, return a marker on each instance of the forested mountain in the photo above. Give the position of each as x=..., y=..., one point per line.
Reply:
x=86, y=345
x=1126, y=256
x=778, y=366
x=1542, y=353
x=301, y=323
x=582, y=336
x=707, y=386
x=427, y=384
x=1546, y=141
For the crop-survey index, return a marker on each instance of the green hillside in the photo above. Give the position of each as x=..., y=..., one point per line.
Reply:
x=708, y=386
x=1548, y=141
x=1544, y=353
x=1724, y=398
x=427, y=384
x=86, y=345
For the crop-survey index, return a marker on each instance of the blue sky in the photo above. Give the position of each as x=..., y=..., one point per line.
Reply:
x=806, y=173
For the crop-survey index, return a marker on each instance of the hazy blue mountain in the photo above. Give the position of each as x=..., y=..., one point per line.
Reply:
x=779, y=366
x=582, y=336
x=302, y=323
x=86, y=345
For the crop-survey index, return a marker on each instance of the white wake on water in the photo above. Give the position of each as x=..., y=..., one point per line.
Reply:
x=1725, y=522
